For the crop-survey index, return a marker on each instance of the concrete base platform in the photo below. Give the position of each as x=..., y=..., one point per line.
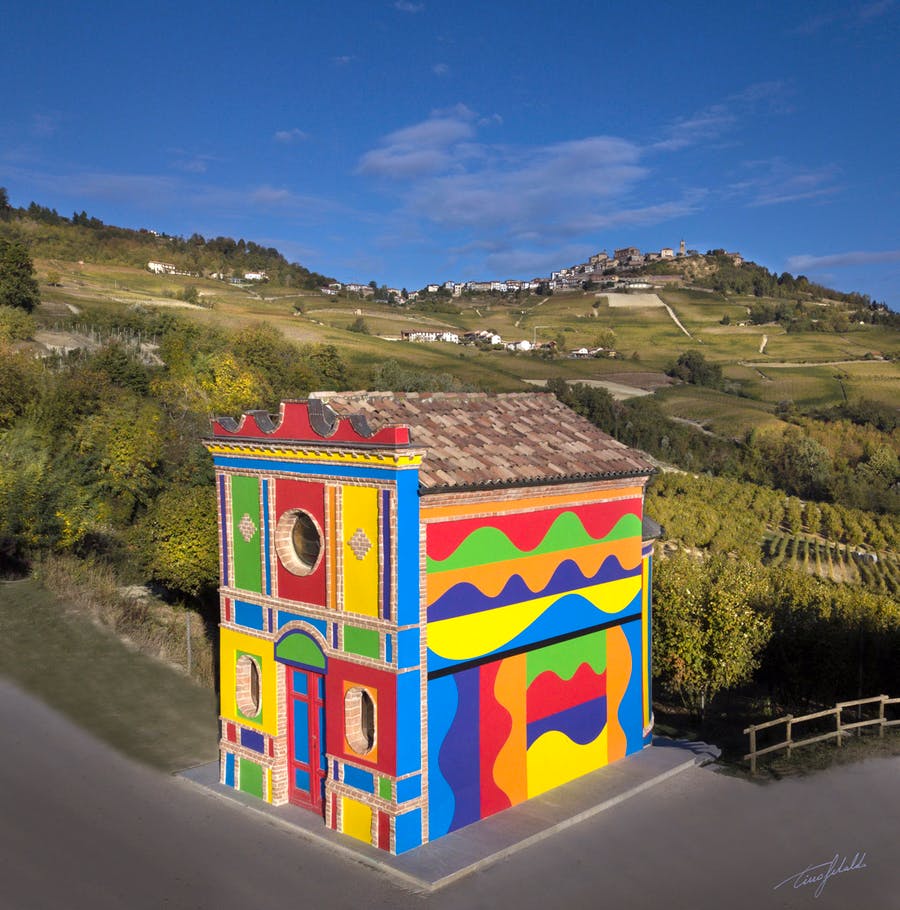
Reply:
x=462, y=852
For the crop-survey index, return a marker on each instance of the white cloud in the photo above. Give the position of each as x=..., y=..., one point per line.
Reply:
x=514, y=209
x=286, y=137
x=723, y=118
x=158, y=193
x=842, y=260
x=405, y=6
x=429, y=147
x=848, y=16
x=776, y=181
x=703, y=126
x=190, y=162
x=440, y=69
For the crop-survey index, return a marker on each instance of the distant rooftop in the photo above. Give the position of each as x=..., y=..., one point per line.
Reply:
x=479, y=440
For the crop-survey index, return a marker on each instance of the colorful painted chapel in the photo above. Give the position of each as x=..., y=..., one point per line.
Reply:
x=433, y=606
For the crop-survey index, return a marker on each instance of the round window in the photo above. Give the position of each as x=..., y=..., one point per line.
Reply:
x=298, y=542
x=359, y=720
x=247, y=691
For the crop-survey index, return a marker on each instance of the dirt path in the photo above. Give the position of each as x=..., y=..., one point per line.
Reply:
x=624, y=301
x=800, y=363
x=619, y=390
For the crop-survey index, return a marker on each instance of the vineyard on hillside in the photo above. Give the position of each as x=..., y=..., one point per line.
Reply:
x=728, y=516
x=878, y=572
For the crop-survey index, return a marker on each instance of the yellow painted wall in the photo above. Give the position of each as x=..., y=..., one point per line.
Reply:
x=357, y=819
x=230, y=643
x=359, y=511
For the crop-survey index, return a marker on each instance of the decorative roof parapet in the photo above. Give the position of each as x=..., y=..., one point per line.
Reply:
x=310, y=421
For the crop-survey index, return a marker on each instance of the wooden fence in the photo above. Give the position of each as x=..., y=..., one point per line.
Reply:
x=839, y=731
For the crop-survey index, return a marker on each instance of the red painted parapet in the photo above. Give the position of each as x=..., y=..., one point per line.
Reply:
x=309, y=421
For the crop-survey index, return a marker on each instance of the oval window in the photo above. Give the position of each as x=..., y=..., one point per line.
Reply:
x=298, y=542
x=247, y=688
x=359, y=720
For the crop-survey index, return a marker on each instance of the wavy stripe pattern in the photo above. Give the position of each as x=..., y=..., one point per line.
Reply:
x=526, y=531
x=489, y=544
x=463, y=638
x=465, y=598
x=512, y=725
x=535, y=571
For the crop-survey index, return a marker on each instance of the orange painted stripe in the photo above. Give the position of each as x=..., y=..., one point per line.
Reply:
x=493, y=507
x=509, y=771
x=536, y=571
x=618, y=673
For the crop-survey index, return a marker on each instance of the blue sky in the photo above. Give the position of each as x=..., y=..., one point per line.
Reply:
x=408, y=141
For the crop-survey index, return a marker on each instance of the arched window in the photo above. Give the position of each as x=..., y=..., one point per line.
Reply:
x=247, y=688
x=359, y=720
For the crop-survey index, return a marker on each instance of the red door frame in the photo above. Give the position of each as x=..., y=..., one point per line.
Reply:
x=315, y=768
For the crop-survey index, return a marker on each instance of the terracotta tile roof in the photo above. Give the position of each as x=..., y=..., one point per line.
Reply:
x=481, y=440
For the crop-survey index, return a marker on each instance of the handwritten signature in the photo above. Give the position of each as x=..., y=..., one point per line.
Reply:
x=822, y=872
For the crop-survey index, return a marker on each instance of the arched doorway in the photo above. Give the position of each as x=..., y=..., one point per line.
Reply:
x=304, y=675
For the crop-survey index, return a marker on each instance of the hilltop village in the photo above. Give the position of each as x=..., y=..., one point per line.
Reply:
x=620, y=270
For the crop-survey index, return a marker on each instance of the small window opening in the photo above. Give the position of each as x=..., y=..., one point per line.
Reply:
x=247, y=687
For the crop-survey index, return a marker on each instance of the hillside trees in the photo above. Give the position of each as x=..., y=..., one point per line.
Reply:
x=101, y=453
x=693, y=367
x=179, y=541
x=707, y=628
x=829, y=641
x=18, y=286
x=53, y=236
x=19, y=378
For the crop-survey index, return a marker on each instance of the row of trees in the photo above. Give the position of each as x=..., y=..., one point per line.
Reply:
x=81, y=236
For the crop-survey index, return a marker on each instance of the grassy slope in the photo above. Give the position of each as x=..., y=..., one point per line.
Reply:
x=810, y=380
x=137, y=704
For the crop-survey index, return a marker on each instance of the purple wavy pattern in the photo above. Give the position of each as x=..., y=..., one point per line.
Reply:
x=460, y=759
x=582, y=723
x=466, y=598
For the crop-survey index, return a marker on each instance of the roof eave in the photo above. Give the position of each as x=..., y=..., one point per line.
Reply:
x=534, y=482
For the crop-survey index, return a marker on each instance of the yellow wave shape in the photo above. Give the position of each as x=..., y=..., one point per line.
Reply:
x=467, y=637
x=535, y=570
x=554, y=759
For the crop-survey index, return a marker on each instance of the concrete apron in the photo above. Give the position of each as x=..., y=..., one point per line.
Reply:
x=479, y=845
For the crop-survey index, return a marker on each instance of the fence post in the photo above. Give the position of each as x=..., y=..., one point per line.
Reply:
x=837, y=714
x=790, y=720
x=187, y=617
x=752, y=750
x=881, y=716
